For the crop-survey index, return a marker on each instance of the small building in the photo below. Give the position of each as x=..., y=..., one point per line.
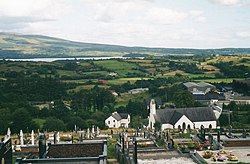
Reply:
x=114, y=93
x=206, y=98
x=137, y=90
x=243, y=100
x=199, y=88
x=117, y=120
x=182, y=118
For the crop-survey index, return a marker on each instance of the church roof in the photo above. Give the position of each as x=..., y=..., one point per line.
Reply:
x=195, y=114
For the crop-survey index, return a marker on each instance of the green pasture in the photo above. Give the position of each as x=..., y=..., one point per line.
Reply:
x=220, y=80
x=124, y=80
x=121, y=67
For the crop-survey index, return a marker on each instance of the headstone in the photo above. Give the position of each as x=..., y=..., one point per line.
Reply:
x=88, y=133
x=58, y=137
x=42, y=145
x=55, y=133
x=230, y=130
x=218, y=136
x=93, y=132
x=21, y=138
x=97, y=131
x=244, y=133
x=210, y=138
x=135, y=151
x=8, y=133
x=32, y=138
x=171, y=144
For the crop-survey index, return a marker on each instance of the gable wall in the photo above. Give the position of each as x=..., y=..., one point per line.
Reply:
x=113, y=122
x=185, y=120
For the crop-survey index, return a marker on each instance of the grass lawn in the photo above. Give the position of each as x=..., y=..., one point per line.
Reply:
x=80, y=87
x=121, y=67
x=39, y=121
x=124, y=80
x=124, y=99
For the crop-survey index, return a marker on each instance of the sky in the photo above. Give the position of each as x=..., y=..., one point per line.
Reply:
x=149, y=23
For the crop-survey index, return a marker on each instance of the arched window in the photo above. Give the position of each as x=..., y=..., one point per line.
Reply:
x=189, y=127
x=183, y=126
x=179, y=127
x=210, y=126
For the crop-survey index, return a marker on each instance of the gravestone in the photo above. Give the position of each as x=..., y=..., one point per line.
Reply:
x=21, y=138
x=244, y=133
x=230, y=130
x=218, y=136
x=32, y=138
x=42, y=145
x=6, y=152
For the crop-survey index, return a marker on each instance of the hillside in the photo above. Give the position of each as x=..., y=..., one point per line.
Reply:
x=14, y=45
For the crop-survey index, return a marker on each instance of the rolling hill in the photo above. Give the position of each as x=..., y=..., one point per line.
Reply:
x=14, y=45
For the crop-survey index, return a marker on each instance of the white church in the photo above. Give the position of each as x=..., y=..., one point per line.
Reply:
x=184, y=118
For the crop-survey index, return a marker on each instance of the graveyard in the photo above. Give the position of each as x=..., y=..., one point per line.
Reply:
x=130, y=146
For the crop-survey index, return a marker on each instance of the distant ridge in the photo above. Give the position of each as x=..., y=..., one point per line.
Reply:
x=13, y=45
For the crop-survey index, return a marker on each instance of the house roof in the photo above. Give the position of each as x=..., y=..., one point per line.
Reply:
x=195, y=114
x=190, y=84
x=200, y=84
x=119, y=116
x=158, y=101
x=209, y=96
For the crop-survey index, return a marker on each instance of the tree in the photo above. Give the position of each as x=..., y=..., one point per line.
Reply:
x=22, y=120
x=183, y=99
x=157, y=126
x=54, y=124
x=75, y=120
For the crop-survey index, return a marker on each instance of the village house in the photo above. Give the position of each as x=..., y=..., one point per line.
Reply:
x=117, y=120
x=183, y=118
x=199, y=88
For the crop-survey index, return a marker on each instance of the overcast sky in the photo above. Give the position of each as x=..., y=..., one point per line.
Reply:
x=152, y=23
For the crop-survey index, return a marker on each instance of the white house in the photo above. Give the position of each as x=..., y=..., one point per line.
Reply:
x=182, y=118
x=117, y=120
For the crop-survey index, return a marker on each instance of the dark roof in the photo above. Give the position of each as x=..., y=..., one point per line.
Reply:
x=119, y=116
x=75, y=150
x=158, y=101
x=123, y=115
x=195, y=114
x=116, y=116
x=209, y=96
x=176, y=116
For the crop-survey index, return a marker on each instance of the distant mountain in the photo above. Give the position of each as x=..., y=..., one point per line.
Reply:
x=14, y=45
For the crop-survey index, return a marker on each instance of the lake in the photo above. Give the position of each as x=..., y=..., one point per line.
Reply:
x=69, y=58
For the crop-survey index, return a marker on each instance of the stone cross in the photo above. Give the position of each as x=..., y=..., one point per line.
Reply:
x=8, y=133
x=32, y=138
x=21, y=138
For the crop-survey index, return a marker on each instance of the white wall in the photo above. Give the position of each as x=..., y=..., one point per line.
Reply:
x=111, y=122
x=205, y=124
x=151, y=121
x=125, y=122
x=166, y=126
x=185, y=120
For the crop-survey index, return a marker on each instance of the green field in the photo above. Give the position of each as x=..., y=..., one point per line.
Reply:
x=121, y=67
x=124, y=80
x=224, y=80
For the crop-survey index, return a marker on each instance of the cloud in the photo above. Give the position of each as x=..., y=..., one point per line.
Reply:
x=228, y=2
x=243, y=34
x=15, y=14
